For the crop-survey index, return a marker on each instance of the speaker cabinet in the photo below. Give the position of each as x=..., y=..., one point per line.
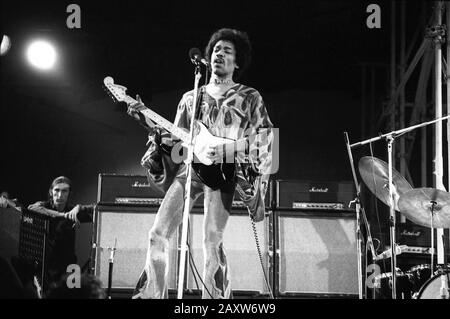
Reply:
x=129, y=225
x=10, y=220
x=34, y=244
x=316, y=252
x=240, y=247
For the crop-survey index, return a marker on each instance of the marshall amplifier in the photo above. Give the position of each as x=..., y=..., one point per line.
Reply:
x=119, y=189
x=314, y=195
x=127, y=190
x=248, y=271
x=315, y=253
x=413, y=235
x=126, y=228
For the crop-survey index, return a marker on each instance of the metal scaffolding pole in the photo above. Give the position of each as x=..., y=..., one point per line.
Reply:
x=447, y=72
x=438, y=160
x=402, y=148
x=394, y=96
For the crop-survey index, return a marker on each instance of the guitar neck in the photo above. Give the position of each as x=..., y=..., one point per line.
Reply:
x=155, y=117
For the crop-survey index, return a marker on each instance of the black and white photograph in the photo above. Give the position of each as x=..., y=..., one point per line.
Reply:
x=262, y=153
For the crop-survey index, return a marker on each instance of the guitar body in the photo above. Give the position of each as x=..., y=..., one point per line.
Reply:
x=214, y=175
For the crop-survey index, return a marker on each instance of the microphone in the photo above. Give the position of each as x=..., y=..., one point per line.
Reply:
x=196, y=57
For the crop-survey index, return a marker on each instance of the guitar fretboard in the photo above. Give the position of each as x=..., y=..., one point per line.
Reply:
x=240, y=144
x=155, y=117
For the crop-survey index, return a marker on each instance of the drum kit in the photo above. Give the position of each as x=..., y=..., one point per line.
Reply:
x=427, y=207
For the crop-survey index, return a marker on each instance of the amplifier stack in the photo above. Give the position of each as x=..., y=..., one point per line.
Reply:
x=307, y=240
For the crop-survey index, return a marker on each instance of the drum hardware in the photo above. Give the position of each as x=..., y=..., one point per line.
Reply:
x=360, y=212
x=410, y=282
x=419, y=282
x=419, y=275
x=444, y=291
x=388, y=252
x=374, y=173
x=383, y=285
x=437, y=287
x=388, y=185
x=394, y=189
x=428, y=207
x=404, y=249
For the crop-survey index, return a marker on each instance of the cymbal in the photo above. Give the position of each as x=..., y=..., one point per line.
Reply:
x=416, y=205
x=375, y=174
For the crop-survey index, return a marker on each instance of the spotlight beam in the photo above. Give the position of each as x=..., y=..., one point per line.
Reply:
x=41, y=54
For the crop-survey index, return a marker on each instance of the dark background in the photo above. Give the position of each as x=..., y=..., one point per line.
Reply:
x=307, y=64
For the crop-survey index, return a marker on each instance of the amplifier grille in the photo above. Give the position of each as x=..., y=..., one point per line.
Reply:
x=33, y=232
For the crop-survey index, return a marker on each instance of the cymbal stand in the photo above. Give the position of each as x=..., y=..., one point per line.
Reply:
x=433, y=203
x=390, y=142
x=390, y=137
x=187, y=188
x=443, y=291
x=359, y=211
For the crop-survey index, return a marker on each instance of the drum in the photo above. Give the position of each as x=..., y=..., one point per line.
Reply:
x=419, y=275
x=383, y=286
x=432, y=288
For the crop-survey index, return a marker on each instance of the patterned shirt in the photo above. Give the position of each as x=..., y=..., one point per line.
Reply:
x=239, y=113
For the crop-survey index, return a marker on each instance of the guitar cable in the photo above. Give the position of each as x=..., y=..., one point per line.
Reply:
x=255, y=233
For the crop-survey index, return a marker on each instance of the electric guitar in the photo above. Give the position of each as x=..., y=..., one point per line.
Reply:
x=215, y=175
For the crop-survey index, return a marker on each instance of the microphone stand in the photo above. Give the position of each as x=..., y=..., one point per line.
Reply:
x=187, y=188
x=390, y=137
x=110, y=270
x=359, y=210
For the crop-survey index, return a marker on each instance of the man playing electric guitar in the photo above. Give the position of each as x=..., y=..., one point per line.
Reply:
x=229, y=110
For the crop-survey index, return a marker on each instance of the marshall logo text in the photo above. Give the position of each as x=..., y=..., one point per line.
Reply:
x=411, y=233
x=137, y=184
x=318, y=190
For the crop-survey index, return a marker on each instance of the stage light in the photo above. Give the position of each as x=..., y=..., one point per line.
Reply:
x=41, y=54
x=5, y=45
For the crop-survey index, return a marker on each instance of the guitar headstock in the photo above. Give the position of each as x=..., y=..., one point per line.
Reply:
x=117, y=92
